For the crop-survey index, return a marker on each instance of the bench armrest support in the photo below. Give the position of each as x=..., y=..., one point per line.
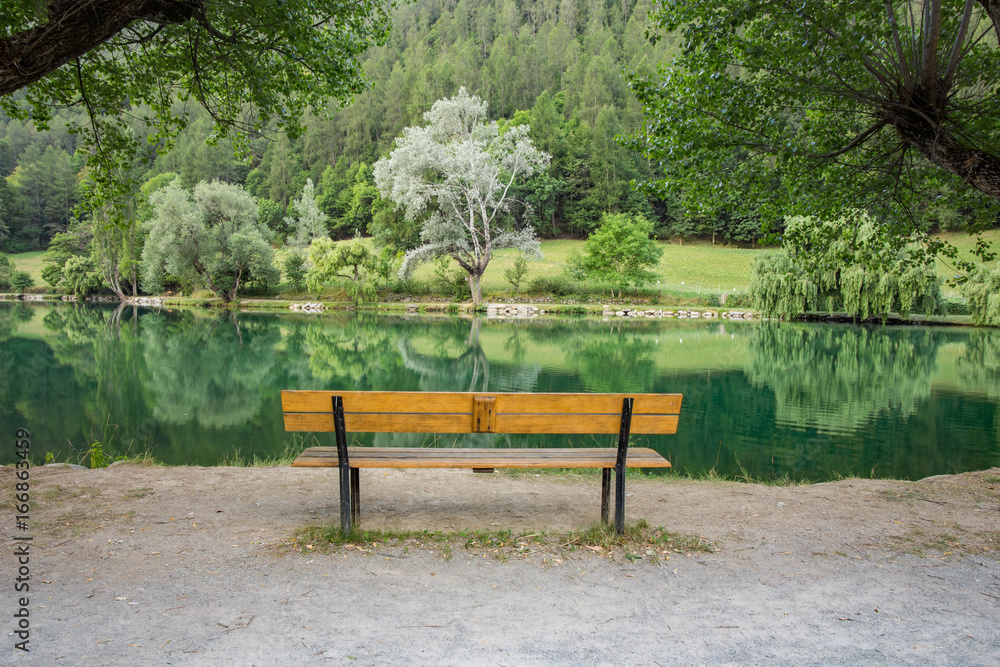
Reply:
x=346, y=506
x=620, y=465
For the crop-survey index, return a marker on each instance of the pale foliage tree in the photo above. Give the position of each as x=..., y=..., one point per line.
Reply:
x=212, y=236
x=460, y=171
x=311, y=222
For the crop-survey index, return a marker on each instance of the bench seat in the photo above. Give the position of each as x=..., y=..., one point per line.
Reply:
x=422, y=457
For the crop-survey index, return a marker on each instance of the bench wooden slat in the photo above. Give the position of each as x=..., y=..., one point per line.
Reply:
x=528, y=424
x=380, y=423
x=416, y=457
x=580, y=424
x=449, y=412
x=462, y=402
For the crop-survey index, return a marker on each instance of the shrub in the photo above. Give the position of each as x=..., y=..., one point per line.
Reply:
x=21, y=281
x=80, y=276
x=554, y=285
x=295, y=271
x=6, y=272
x=516, y=273
x=956, y=305
x=737, y=300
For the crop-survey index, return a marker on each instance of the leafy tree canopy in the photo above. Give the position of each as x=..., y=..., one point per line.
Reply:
x=812, y=106
x=352, y=260
x=129, y=62
x=620, y=252
x=211, y=235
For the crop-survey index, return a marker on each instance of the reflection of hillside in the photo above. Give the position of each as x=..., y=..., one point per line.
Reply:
x=838, y=378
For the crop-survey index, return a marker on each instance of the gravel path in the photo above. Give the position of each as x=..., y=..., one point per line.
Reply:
x=136, y=566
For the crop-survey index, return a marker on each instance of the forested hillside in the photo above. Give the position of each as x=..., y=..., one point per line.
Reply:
x=555, y=64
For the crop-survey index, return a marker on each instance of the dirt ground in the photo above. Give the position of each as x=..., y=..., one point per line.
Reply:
x=140, y=565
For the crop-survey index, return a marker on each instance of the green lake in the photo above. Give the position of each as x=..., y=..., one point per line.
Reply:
x=766, y=399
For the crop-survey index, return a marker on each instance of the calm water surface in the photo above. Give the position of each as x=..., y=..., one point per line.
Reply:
x=771, y=399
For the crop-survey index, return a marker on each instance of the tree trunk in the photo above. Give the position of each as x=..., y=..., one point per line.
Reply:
x=474, y=286
x=74, y=28
x=976, y=167
x=992, y=8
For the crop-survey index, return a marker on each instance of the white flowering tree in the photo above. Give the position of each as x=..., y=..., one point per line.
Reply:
x=460, y=170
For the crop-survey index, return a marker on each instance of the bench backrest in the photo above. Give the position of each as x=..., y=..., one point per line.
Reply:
x=478, y=412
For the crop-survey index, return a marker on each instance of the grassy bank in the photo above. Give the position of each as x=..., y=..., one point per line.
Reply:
x=689, y=273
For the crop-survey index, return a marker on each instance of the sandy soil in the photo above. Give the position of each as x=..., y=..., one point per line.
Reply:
x=147, y=565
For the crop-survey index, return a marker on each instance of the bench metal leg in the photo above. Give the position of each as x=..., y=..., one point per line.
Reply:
x=605, y=494
x=355, y=495
x=620, y=465
x=346, y=506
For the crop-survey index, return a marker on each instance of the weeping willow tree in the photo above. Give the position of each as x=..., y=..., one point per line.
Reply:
x=982, y=293
x=853, y=263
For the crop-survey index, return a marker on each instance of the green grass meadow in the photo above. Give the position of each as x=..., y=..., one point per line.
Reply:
x=30, y=262
x=689, y=269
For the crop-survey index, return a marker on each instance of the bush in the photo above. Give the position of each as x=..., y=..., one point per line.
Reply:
x=956, y=305
x=554, y=285
x=295, y=271
x=6, y=273
x=737, y=300
x=80, y=276
x=21, y=281
x=450, y=283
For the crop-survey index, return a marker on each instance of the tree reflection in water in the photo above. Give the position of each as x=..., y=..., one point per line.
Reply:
x=836, y=378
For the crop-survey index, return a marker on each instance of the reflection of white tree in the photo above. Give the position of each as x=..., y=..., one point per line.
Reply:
x=471, y=370
x=838, y=378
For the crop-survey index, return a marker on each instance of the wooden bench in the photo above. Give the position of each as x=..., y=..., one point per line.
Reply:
x=466, y=412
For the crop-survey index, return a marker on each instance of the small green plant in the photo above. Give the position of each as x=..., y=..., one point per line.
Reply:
x=294, y=269
x=98, y=459
x=98, y=451
x=449, y=282
x=49, y=458
x=516, y=273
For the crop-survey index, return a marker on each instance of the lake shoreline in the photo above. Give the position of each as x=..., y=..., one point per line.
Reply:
x=549, y=306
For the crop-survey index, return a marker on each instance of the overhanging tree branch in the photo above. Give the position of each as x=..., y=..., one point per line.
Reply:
x=73, y=29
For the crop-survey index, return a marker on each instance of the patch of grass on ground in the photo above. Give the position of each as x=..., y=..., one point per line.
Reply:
x=639, y=542
x=897, y=496
x=295, y=445
x=31, y=262
x=955, y=541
